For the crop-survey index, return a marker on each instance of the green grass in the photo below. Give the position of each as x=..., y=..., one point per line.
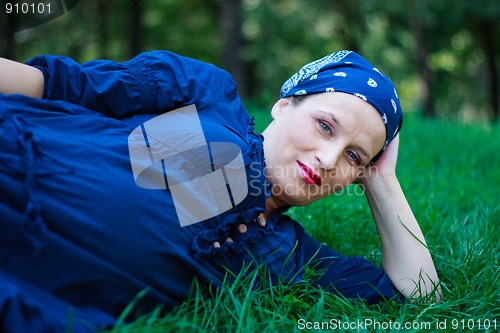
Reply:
x=451, y=174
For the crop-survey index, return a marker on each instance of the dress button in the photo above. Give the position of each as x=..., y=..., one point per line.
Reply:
x=229, y=240
x=242, y=228
x=216, y=245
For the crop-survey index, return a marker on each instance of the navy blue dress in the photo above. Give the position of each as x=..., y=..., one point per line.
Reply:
x=80, y=239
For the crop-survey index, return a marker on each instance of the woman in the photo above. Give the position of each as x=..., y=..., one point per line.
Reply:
x=84, y=230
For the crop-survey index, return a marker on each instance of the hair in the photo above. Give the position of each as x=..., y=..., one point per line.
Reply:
x=297, y=99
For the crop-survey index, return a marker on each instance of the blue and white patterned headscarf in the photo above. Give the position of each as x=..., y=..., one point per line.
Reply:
x=348, y=72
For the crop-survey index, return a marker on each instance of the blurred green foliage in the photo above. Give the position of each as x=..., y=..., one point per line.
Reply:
x=447, y=47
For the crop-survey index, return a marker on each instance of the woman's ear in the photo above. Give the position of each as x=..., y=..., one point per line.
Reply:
x=280, y=107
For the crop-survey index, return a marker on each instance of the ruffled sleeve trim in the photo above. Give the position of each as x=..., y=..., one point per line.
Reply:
x=214, y=241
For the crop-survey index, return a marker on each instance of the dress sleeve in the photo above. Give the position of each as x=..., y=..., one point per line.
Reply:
x=354, y=277
x=152, y=82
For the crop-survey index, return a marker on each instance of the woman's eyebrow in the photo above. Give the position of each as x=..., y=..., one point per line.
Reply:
x=332, y=117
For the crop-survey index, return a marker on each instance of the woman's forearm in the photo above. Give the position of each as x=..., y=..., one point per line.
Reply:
x=406, y=258
x=18, y=78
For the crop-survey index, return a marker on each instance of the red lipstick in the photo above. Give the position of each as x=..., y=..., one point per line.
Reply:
x=309, y=175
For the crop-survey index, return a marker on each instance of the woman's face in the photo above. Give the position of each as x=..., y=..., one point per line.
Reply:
x=319, y=145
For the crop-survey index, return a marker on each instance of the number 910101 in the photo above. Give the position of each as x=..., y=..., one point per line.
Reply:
x=27, y=8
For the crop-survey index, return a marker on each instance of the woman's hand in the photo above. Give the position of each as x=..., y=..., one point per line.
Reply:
x=384, y=167
x=386, y=164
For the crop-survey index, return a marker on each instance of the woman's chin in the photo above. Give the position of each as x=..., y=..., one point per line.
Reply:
x=297, y=195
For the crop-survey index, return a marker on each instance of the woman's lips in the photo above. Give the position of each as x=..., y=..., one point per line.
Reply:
x=308, y=174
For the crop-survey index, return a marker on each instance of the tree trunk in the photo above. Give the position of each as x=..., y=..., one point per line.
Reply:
x=426, y=76
x=102, y=27
x=489, y=52
x=233, y=63
x=7, y=37
x=352, y=29
x=136, y=28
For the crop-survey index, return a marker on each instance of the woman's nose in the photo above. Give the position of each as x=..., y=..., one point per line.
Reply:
x=329, y=157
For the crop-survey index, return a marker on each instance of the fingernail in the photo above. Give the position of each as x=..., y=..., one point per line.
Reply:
x=261, y=221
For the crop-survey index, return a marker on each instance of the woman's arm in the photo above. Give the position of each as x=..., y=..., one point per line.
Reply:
x=18, y=78
x=405, y=256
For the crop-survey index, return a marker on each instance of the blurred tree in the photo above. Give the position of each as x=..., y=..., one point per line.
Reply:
x=489, y=33
x=233, y=42
x=191, y=28
x=482, y=17
x=7, y=44
x=351, y=18
x=427, y=77
x=102, y=34
x=135, y=27
x=455, y=62
x=282, y=36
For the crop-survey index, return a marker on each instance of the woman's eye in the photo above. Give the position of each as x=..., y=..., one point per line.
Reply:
x=353, y=157
x=325, y=127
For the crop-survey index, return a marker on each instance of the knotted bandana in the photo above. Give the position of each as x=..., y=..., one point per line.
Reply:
x=348, y=72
